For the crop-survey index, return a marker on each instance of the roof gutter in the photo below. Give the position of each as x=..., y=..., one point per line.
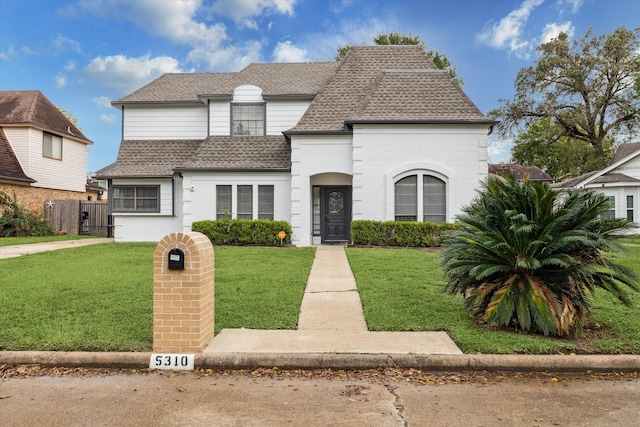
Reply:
x=232, y=169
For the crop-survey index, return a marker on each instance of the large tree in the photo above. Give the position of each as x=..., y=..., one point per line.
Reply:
x=440, y=59
x=564, y=159
x=589, y=89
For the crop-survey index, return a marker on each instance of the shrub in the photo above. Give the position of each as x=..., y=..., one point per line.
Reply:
x=18, y=221
x=398, y=233
x=259, y=232
x=527, y=257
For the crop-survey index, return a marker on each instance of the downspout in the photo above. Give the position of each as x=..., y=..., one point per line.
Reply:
x=110, y=226
x=122, y=125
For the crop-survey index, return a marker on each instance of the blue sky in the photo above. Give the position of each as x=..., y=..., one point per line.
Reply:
x=83, y=54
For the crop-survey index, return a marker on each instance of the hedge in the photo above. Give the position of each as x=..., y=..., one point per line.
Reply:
x=398, y=233
x=259, y=232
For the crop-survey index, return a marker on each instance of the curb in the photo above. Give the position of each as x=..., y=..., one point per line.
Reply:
x=345, y=361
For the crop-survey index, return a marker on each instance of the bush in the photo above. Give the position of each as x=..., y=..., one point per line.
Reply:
x=259, y=232
x=18, y=221
x=398, y=233
x=527, y=257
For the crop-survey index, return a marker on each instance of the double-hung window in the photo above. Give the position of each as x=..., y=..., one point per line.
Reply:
x=51, y=146
x=136, y=198
x=265, y=202
x=245, y=202
x=611, y=202
x=630, y=208
x=427, y=202
x=223, y=201
x=248, y=119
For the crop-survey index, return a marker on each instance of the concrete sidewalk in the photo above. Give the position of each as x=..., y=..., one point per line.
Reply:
x=331, y=321
x=18, y=250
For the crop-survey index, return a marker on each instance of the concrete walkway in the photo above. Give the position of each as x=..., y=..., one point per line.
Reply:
x=18, y=250
x=331, y=321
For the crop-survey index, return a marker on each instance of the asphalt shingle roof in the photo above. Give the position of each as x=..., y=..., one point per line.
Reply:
x=241, y=152
x=32, y=108
x=10, y=168
x=372, y=81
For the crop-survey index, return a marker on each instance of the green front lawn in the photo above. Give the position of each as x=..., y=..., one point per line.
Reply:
x=99, y=297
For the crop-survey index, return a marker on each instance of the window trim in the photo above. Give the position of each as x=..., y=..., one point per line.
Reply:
x=419, y=172
x=135, y=198
x=249, y=104
x=52, y=135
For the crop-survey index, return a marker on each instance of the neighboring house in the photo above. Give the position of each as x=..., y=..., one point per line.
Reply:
x=381, y=135
x=619, y=182
x=519, y=172
x=43, y=156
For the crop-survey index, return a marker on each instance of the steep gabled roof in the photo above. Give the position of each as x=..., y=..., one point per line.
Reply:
x=32, y=108
x=625, y=150
x=10, y=168
x=388, y=84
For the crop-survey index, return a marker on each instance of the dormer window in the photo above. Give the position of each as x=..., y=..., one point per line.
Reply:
x=248, y=119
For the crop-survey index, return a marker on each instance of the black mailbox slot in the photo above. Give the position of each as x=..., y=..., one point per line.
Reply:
x=176, y=259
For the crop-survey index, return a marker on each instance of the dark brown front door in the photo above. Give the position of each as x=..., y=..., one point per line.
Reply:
x=335, y=211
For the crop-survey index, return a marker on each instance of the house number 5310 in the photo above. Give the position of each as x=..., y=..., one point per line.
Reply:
x=172, y=361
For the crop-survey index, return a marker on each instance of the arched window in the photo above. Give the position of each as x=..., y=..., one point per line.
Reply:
x=428, y=201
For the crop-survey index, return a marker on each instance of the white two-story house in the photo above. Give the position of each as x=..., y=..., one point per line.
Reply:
x=381, y=135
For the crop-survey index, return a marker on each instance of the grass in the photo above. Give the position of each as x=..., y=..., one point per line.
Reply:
x=100, y=297
x=11, y=241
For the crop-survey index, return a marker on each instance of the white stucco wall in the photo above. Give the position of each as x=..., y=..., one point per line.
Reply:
x=383, y=153
x=311, y=156
x=199, y=194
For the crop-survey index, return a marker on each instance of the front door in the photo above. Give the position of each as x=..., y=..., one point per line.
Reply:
x=335, y=211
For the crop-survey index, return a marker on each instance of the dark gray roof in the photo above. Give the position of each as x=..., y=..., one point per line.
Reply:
x=153, y=158
x=614, y=177
x=387, y=83
x=32, y=108
x=306, y=78
x=150, y=158
x=570, y=183
x=10, y=168
x=241, y=152
x=625, y=150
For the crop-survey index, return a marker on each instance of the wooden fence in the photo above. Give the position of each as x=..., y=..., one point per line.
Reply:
x=77, y=217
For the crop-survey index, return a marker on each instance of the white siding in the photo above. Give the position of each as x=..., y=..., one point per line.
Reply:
x=381, y=154
x=165, y=122
x=220, y=118
x=312, y=156
x=69, y=174
x=247, y=93
x=283, y=115
x=199, y=194
x=630, y=168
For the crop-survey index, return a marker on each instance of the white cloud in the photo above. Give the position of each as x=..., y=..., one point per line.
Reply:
x=286, y=52
x=62, y=43
x=507, y=33
x=61, y=80
x=244, y=12
x=575, y=4
x=553, y=30
x=122, y=74
x=70, y=66
x=102, y=102
x=499, y=150
x=6, y=56
x=109, y=118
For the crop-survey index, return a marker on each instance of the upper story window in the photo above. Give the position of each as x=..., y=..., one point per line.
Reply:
x=51, y=146
x=136, y=198
x=248, y=119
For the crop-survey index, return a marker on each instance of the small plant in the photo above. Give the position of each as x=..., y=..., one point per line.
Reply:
x=18, y=221
x=528, y=257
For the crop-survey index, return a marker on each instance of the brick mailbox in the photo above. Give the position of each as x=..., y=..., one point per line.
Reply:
x=183, y=293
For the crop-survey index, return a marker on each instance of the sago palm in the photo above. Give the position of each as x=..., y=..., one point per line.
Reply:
x=528, y=257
